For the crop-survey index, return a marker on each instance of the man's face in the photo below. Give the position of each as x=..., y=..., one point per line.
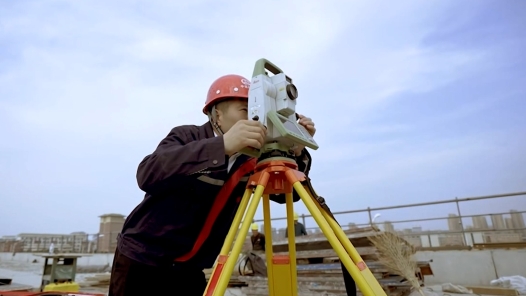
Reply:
x=231, y=111
x=254, y=231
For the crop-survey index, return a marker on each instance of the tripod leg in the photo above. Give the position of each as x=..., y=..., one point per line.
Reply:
x=358, y=274
x=350, y=285
x=281, y=269
x=225, y=264
x=292, y=242
x=268, y=244
x=227, y=245
x=235, y=224
x=353, y=253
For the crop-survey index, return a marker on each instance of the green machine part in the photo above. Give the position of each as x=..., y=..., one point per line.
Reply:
x=287, y=128
x=264, y=64
x=292, y=130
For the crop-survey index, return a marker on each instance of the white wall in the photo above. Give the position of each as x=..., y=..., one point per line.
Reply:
x=473, y=267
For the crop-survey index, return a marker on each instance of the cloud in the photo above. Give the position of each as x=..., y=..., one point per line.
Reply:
x=88, y=84
x=80, y=78
x=398, y=93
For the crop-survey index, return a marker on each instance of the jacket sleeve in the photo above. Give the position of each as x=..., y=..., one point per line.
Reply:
x=304, y=162
x=179, y=155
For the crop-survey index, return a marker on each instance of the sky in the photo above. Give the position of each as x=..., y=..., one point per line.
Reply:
x=413, y=101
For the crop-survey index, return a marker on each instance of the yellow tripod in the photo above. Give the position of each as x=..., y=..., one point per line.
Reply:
x=279, y=175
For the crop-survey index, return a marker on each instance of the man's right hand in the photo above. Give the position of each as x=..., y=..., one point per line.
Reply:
x=244, y=133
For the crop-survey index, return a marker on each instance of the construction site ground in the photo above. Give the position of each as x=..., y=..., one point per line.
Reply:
x=30, y=274
x=26, y=273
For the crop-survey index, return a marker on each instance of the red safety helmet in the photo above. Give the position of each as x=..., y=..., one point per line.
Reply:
x=226, y=87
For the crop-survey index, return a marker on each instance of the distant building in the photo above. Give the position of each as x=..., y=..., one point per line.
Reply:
x=480, y=222
x=509, y=223
x=497, y=221
x=454, y=222
x=414, y=239
x=388, y=226
x=517, y=220
x=452, y=239
x=39, y=242
x=502, y=237
x=9, y=243
x=110, y=227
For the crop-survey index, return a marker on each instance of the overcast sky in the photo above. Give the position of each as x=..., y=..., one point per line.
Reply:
x=413, y=101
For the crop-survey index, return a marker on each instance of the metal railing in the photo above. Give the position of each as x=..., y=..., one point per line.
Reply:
x=457, y=234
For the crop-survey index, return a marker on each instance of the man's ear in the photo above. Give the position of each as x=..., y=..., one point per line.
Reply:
x=219, y=115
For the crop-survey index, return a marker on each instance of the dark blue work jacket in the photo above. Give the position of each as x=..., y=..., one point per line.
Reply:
x=181, y=179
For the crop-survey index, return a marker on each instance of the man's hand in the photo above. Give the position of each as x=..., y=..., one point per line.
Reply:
x=244, y=133
x=309, y=125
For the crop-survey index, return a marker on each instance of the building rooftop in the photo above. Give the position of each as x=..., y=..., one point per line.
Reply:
x=111, y=215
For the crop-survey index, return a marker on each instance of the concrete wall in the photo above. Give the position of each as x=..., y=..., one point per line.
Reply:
x=473, y=267
x=466, y=267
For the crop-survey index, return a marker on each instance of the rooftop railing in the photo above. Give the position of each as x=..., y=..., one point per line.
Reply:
x=457, y=232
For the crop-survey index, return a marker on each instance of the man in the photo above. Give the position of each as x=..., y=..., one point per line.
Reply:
x=256, y=263
x=299, y=228
x=257, y=239
x=193, y=184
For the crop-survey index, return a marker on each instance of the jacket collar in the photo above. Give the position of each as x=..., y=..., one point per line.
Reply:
x=207, y=130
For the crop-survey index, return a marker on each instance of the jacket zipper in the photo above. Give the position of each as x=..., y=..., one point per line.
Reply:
x=198, y=171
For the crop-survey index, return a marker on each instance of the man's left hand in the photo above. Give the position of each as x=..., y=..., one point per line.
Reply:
x=309, y=126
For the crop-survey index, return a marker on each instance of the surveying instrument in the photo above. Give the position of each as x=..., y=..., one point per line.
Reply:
x=272, y=101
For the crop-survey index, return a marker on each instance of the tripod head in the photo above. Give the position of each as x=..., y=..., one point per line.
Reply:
x=272, y=101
